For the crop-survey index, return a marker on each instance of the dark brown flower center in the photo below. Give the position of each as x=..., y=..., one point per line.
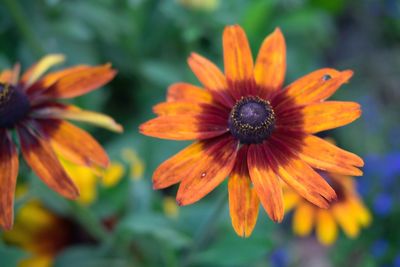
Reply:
x=251, y=120
x=14, y=105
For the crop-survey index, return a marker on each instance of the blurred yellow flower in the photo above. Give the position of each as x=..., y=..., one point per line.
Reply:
x=170, y=207
x=204, y=5
x=136, y=164
x=34, y=225
x=348, y=212
x=87, y=179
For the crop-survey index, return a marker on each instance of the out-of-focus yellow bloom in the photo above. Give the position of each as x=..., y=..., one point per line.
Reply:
x=39, y=232
x=348, y=212
x=113, y=174
x=135, y=162
x=87, y=179
x=171, y=209
x=205, y=5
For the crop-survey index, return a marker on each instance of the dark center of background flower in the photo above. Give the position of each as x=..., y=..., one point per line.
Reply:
x=14, y=105
x=251, y=120
x=339, y=188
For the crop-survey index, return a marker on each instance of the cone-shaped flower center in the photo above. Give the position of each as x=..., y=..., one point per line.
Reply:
x=14, y=105
x=252, y=120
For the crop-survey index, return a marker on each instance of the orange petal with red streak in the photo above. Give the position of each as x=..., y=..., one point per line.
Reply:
x=238, y=60
x=181, y=127
x=185, y=92
x=178, y=108
x=49, y=79
x=266, y=182
x=80, y=83
x=243, y=199
x=323, y=155
x=216, y=164
x=270, y=68
x=300, y=176
x=39, y=155
x=8, y=179
x=212, y=78
x=68, y=140
x=316, y=86
x=175, y=168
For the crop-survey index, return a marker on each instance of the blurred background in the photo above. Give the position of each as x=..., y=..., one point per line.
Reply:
x=120, y=220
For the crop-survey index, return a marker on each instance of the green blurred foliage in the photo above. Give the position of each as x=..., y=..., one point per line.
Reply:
x=148, y=42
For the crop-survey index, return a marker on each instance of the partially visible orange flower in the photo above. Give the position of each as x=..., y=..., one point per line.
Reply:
x=348, y=212
x=29, y=104
x=249, y=127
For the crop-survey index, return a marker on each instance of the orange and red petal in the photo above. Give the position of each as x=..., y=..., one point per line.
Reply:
x=243, y=199
x=212, y=78
x=82, y=82
x=40, y=156
x=48, y=80
x=270, y=68
x=184, y=127
x=238, y=60
x=175, y=168
x=325, y=156
x=299, y=175
x=329, y=115
x=68, y=139
x=185, y=92
x=216, y=164
x=266, y=182
x=8, y=179
x=192, y=108
x=314, y=87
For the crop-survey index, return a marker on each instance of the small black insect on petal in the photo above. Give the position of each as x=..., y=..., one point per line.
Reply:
x=14, y=105
x=252, y=120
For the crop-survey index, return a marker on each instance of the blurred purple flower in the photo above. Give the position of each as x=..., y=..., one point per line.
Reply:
x=379, y=248
x=371, y=114
x=279, y=258
x=383, y=204
x=396, y=261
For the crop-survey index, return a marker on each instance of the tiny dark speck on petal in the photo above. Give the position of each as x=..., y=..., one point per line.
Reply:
x=326, y=77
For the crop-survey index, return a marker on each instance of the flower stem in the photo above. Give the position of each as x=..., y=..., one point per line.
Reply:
x=23, y=26
x=207, y=229
x=89, y=221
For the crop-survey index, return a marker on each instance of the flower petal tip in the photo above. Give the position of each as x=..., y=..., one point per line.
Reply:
x=179, y=202
x=7, y=225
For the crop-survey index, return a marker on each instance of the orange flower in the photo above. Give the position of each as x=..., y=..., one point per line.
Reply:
x=249, y=128
x=348, y=212
x=29, y=105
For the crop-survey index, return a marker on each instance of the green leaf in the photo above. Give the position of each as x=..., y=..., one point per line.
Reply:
x=10, y=256
x=155, y=226
x=232, y=250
